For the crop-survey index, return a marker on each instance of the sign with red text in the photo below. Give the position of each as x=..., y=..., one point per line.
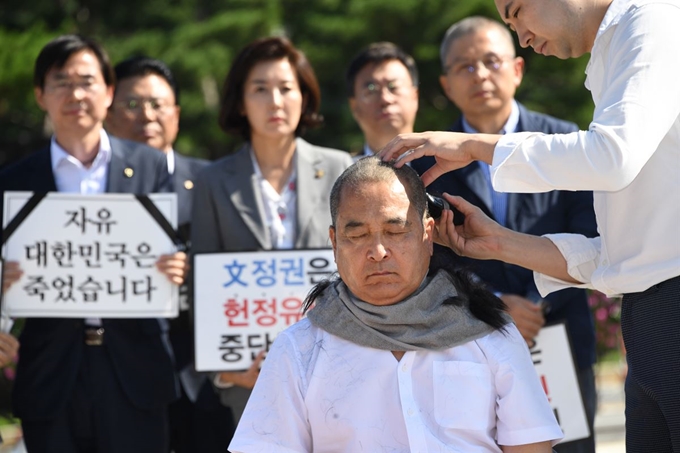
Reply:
x=243, y=300
x=89, y=256
x=554, y=364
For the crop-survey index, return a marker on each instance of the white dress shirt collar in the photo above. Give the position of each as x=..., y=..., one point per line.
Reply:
x=171, y=161
x=70, y=175
x=509, y=127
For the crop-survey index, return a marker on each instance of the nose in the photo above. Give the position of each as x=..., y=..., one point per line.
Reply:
x=277, y=98
x=525, y=37
x=386, y=96
x=378, y=251
x=148, y=112
x=78, y=92
x=481, y=71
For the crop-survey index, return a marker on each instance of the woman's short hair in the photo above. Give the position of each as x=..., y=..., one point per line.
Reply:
x=232, y=119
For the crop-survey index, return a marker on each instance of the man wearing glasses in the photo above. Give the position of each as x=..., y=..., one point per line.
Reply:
x=146, y=109
x=90, y=384
x=382, y=84
x=480, y=76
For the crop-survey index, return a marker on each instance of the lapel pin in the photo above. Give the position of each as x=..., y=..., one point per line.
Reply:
x=318, y=174
x=188, y=184
x=129, y=172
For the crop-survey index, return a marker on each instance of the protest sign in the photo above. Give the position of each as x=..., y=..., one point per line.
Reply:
x=89, y=255
x=243, y=300
x=554, y=364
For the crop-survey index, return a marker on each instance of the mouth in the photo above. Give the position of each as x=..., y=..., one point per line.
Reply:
x=379, y=274
x=276, y=119
x=541, y=48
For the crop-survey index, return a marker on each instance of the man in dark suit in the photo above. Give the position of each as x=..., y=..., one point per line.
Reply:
x=480, y=76
x=382, y=85
x=91, y=384
x=146, y=109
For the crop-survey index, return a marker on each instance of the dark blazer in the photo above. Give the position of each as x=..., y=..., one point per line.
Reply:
x=229, y=216
x=52, y=348
x=534, y=213
x=183, y=182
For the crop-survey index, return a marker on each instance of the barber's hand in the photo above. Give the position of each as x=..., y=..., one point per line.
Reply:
x=478, y=237
x=246, y=378
x=174, y=266
x=527, y=315
x=11, y=273
x=9, y=346
x=451, y=150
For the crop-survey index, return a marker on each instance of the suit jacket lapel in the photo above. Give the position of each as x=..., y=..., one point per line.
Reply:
x=120, y=172
x=243, y=189
x=309, y=189
x=42, y=179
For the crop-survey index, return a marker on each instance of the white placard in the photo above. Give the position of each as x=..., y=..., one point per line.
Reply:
x=555, y=367
x=88, y=256
x=243, y=300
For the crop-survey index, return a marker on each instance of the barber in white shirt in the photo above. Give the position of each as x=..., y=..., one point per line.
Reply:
x=629, y=156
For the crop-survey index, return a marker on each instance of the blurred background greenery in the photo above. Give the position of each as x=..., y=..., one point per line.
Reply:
x=199, y=39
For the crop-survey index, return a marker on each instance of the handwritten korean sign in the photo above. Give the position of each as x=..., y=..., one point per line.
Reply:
x=89, y=256
x=243, y=300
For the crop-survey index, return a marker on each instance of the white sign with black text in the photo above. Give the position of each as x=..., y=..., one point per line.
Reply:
x=89, y=255
x=243, y=300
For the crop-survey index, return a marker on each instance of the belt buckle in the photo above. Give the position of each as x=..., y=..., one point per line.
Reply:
x=94, y=337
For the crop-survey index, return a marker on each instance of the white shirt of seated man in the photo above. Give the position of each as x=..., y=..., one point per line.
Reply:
x=323, y=393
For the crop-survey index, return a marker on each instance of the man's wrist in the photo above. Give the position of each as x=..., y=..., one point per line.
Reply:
x=220, y=384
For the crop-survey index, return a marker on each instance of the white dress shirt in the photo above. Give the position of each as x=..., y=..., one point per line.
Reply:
x=630, y=155
x=71, y=176
x=317, y=392
x=280, y=208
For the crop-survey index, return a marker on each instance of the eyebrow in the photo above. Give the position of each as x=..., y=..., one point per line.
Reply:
x=352, y=224
x=64, y=76
x=507, y=10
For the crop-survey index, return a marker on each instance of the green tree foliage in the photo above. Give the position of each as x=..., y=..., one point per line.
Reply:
x=199, y=38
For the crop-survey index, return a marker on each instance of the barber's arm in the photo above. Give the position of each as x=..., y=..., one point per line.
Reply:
x=481, y=238
x=540, y=447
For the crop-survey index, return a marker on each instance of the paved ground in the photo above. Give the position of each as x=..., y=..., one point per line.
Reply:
x=610, y=421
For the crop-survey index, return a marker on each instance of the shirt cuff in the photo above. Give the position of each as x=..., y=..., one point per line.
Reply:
x=582, y=255
x=220, y=384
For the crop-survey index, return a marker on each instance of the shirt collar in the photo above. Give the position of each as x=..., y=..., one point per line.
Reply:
x=59, y=154
x=509, y=127
x=170, y=156
x=367, y=150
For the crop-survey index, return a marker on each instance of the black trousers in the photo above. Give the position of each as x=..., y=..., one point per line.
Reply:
x=99, y=417
x=650, y=321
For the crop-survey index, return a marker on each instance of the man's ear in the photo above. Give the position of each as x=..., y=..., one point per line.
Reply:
x=353, y=107
x=518, y=66
x=331, y=235
x=444, y=82
x=428, y=226
x=39, y=93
